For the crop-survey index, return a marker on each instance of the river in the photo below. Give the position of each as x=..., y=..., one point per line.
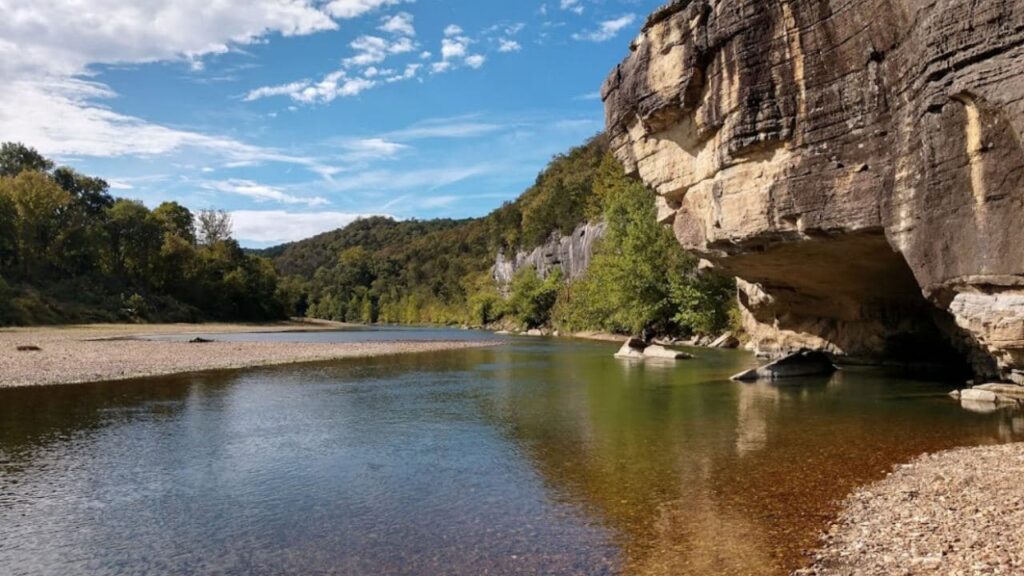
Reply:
x=537, y=456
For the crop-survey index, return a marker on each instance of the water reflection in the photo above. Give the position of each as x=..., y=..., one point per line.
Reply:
x=536, y=457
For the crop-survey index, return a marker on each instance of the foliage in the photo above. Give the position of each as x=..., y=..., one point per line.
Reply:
x=640, y=279
x=531, y=298
x=71, y=252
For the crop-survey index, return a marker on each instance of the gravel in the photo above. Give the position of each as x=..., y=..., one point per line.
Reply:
x=79, y=354
x=950, y=513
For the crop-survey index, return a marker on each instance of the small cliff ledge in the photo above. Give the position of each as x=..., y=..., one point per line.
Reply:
x=570, y=253
x=857, y=163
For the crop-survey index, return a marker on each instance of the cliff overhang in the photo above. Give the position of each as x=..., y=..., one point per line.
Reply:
x=856, y=163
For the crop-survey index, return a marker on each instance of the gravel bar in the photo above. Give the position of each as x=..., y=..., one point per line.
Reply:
x=70, y=355
x=950, y=513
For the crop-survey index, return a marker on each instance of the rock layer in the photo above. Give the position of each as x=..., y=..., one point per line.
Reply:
x=857, y=163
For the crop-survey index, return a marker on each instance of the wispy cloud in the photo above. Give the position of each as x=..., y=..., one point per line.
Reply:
x=606, y=30
x=455, y=127
x=261, y=192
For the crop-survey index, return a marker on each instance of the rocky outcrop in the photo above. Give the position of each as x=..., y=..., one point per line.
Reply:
x=857, y=163
x=571, y=254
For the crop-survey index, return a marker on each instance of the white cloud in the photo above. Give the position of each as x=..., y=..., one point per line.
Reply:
x=457, y=127
x=572, y=6
x=48, y=46
x=371, y=149
x=401, y=24
x=261, y=192
x=475, y=61
x=453, y=30
x=452, y=48
x=506, y=45
x=354, y=8
x=57, y=116
x=278, y=226
x=589, y=96
x=606, y=30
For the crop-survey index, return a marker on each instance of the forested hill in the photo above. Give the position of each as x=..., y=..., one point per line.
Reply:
x=439, y=271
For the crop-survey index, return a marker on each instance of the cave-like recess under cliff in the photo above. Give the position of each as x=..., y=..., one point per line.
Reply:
x=857, y=164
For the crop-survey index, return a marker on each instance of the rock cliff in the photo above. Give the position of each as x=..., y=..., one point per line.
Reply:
x=857, y=163
x=569, y=253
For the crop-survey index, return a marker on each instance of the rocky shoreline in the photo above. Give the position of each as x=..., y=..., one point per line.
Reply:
x=95, y=353
x=954, y=512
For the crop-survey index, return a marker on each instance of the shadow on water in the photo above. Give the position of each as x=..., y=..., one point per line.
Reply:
x=540, y=456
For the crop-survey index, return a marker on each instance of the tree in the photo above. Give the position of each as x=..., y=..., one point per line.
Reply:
x=8, y=232
x=135, y=238
x=176, y=220
x=214, y=226
x=37, y=203
x=90, y=194
x=16, y=158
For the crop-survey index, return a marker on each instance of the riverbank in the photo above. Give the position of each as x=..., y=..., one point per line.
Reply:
x=92, y=353
x=954, y=512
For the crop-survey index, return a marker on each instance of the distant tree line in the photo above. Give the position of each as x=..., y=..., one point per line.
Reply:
x=71, y=252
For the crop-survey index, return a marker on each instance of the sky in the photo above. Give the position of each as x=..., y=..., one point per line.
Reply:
x=298, y=116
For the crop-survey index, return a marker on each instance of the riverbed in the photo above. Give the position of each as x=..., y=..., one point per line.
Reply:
x=536, y=456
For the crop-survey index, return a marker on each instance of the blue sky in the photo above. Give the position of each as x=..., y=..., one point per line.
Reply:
x=300, y=115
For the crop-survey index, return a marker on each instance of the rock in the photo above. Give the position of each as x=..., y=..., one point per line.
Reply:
x=632, y=349
x=199, y=340
x=535, y=332
x=806, y=363
x=955, y=394
x=975, y=395
x=856, y=168
x=1004, y=390
x=29, y=348
x=657, y=351
x=570, y=253
x=727, y=340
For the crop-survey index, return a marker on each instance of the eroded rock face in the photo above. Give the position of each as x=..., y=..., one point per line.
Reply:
x=571, y=254
x=858, y=163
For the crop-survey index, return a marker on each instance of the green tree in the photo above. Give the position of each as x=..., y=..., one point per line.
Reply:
x=16, y=158
x=38, y=203
x=531, y=298
x=135, y=240
x=88, y=193
x=176, y=220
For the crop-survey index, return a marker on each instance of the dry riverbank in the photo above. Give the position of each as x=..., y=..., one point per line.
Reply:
x=76, y=354
x=955, y=512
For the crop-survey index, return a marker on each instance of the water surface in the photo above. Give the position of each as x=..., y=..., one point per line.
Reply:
x=539, y=456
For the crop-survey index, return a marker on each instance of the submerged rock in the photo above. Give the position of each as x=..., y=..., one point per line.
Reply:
x=806, y=363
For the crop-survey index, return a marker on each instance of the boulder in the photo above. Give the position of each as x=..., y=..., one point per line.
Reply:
x=975, y=395
x=801, y=364
x=1010, y=391
x=661, y=352
x=858, y=165
x=632, y=349
x=727, y=340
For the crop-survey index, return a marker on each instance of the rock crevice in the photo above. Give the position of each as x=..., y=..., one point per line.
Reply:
x=857, y=163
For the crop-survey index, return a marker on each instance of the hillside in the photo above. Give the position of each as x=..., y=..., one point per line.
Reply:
x=439, y=271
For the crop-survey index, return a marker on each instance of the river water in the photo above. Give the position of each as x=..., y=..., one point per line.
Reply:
x=536, y=457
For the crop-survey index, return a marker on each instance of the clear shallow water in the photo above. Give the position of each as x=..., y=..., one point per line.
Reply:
x=540, y=456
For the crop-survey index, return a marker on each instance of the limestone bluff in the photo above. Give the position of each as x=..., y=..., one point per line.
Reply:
x=856, y=163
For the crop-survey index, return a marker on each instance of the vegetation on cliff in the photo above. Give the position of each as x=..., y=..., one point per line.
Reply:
x=439, y=272
x=71, y=252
